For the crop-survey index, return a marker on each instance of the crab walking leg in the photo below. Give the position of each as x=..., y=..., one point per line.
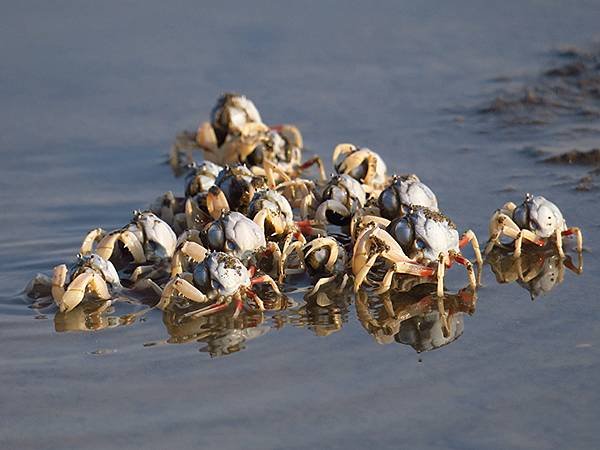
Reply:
x=59, y=277
x=443, y=316
x=343, y=284
x=441, y=269
x=408, y=268
x=90, y=239
x=184, y=288
x=254, y=296
x=289, y=248
x=140, y=272
x=270, y=168
x=577, y=232
x=527, y=235
x=206, y=311
x=321, y=282
x=268, y=280
x=468, y=266
x=311, y=162
x=467, y=237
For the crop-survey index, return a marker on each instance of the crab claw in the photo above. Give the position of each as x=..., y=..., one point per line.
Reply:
x=216, y=202
x=332, y=211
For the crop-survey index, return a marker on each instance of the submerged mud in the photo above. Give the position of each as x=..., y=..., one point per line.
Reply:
x=570, y=88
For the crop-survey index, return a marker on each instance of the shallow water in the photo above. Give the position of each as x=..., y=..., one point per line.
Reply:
x=92, y=99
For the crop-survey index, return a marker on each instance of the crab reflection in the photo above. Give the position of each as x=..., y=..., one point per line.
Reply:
x=417, y=317
x=221, y=333
x=537, y=270
x=94, y=314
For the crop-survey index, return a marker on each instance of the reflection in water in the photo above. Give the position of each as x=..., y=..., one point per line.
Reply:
x=410, y=314
x=417, y=318
x=537, y=270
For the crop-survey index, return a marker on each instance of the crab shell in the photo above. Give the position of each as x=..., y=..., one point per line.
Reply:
x=540, y=216
x=231, y=112
x=424, y=234
x=236, y=234
x=222, y=274
x=201, y=177
x=99, y=265
x=157, y=237
x=404, y=192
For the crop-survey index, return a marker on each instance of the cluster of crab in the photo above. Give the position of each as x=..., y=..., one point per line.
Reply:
x=249, y=218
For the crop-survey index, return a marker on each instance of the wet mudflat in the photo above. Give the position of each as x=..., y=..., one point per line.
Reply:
x=92, y=100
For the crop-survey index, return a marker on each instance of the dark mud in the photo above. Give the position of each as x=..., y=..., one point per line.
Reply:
x=570, y=88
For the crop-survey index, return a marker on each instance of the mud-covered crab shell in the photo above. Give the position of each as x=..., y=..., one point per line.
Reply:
x=424, y=234
x=539, y=215
x=404, y=192
x=238, y=185
x=221, y=274
x=274, y=206
x=156, y=236
x=234, y=233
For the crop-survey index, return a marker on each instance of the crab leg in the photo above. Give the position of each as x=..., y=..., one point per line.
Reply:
x=467, y=237
x=90, y=239
x=216, y=202
x=254, y=296
x=408, y=268
x=319, y=162
x=270, y=167
x=319, y=243
x=441, y=269
x=76, y=290
x=468, y=266
x=577, y=232
x=268, y=280
x=107, y=245
x=321, y=282
x=59, y=277
x=207, y=139
x=212, y=309
x=330, y=205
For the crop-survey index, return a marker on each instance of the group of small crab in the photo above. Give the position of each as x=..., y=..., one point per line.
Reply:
x=250, y=218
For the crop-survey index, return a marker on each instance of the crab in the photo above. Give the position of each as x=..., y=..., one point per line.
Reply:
x=236, y=134
x=326, y=258
x=536, y=220
x=422, y=243
x=404, y=192
x=273, y=214
x=218, y=279
x=147, y=241
x=201, y=177
x=91, y=274
x=231, y=112
x=362, y=164
x=341, y=198
x=538, y=271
